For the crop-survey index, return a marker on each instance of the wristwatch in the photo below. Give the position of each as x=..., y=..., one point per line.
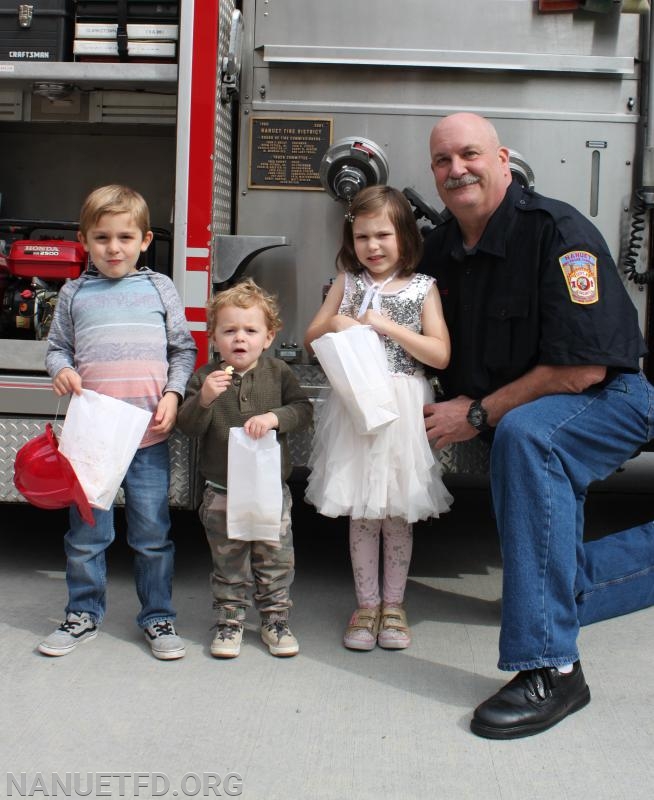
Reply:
x=478, y=416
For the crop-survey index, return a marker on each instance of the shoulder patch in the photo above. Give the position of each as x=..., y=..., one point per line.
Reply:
x=580, y=273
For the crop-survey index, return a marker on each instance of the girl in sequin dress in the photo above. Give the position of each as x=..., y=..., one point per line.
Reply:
x=387, y=480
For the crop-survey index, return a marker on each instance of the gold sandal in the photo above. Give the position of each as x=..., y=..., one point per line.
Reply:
x=362, y=629
x=394, y=631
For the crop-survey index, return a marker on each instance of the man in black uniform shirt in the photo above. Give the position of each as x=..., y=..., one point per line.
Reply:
x=545, y=359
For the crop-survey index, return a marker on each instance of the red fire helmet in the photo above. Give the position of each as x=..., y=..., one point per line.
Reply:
x=46, y=478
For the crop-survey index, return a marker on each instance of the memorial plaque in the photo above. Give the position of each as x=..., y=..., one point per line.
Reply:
x=285, y=153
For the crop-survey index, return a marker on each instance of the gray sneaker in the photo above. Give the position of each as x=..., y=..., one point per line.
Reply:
x=77, y=628
x=227, y=641
x=164, y=641
x=277, y=635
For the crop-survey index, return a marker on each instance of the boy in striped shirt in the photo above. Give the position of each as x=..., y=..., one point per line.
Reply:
x=121, y=331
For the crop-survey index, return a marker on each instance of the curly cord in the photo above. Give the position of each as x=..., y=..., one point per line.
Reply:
x=630, y=260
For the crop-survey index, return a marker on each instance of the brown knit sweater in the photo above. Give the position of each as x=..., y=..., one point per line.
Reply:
x=270, y=386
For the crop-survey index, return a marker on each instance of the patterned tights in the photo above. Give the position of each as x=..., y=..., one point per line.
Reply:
x=364, y=552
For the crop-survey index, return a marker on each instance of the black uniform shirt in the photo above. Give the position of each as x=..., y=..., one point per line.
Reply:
x=540, y=287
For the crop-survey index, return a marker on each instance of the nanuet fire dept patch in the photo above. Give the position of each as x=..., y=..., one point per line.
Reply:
x=580, y=273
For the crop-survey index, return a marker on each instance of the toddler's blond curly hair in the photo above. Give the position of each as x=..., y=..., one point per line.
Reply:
x=245, y=294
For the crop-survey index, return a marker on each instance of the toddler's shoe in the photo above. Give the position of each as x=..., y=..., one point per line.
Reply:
x=276, y=634
x=361, y=631
x=394, y=631
x=164, y=641
x=227, y=641
x=77, y=628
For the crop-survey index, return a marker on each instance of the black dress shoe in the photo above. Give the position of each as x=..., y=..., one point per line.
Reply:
x=532, y=702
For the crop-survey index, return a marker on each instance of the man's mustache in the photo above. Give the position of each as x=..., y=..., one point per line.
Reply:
x=457, y=183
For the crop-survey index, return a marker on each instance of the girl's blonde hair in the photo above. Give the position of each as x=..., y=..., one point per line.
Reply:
x=373, y=200
x=114, y=199
x=245, y=295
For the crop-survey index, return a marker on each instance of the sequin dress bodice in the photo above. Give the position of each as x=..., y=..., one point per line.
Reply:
x=403, y=306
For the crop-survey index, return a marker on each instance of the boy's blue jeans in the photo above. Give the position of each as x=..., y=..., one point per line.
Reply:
x=544, y=456
x=148, y=524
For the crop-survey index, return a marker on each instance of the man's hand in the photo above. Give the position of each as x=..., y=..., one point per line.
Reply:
x=447, y=422
x=67, y=381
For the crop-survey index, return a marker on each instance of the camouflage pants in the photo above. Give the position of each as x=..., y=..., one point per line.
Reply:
x=239, y=565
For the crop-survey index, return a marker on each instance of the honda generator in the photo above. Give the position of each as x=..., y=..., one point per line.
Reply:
x=31, y=275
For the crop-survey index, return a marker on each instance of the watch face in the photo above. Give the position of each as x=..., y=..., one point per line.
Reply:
x=477, y=416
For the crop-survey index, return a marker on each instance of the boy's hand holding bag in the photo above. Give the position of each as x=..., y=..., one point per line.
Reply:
x=100, y=437
x=254, y=487
x=354, y=361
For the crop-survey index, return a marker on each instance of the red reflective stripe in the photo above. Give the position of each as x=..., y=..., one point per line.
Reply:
x=202, y=123
x=196, y=314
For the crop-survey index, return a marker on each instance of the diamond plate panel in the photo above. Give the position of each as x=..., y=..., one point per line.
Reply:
x=467, y=458
x=13, y=435
x=15, y=432
x=182, y=472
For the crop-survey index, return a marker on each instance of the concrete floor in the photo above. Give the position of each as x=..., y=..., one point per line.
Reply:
x=329, y=723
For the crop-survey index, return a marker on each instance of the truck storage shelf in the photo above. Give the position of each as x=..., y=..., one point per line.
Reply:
x=90, y=75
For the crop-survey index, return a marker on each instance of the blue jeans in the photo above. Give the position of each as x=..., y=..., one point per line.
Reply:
x=148, y=524
x=544, y=456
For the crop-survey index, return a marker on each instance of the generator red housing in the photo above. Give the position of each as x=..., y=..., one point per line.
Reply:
x=49, y=259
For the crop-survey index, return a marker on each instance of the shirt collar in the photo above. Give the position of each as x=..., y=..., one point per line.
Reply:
x=493, y=239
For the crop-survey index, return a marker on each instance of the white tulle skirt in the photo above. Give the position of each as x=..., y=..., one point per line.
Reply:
x=393, y=473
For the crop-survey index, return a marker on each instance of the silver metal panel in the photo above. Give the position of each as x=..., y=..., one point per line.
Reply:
x=500, y=26
x=11, y=105
x=318, y=88
x=148, y=108
x=15, y=432
x=555, y=149
x=24, y=355
x=90, y=75
x=463, y=59
x=30, y=394
x=236, y=251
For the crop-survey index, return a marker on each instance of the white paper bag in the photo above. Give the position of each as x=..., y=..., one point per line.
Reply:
x=100, y=437
x=254, y=487
x=354, y=361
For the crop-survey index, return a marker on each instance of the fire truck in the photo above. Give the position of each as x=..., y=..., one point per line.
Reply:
x=272, y=116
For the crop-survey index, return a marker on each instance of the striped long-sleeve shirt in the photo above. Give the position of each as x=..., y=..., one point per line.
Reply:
x=127, y=338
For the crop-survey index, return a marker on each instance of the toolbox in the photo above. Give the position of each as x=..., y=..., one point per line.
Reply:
x=50, y=259
x=41, y=30
x=133, y=10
